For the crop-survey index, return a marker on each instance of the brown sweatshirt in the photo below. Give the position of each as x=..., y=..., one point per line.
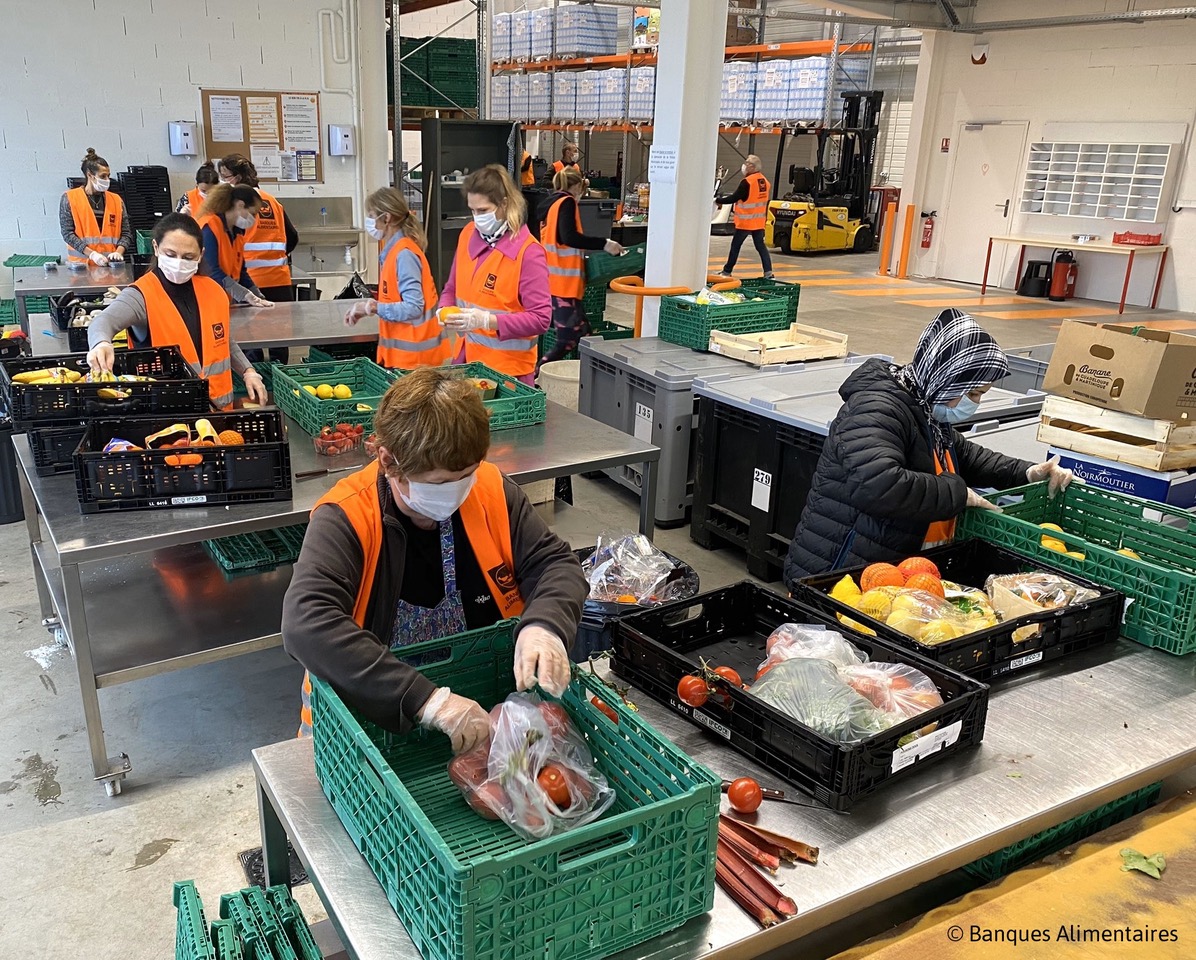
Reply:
x=318, y=628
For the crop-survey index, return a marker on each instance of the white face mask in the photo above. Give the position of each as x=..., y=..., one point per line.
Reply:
x=438, y=501
x=244, y=223
x=371, y=228
x=230, y=182
x=176, y=269
x=488, y=224
x=100, y=185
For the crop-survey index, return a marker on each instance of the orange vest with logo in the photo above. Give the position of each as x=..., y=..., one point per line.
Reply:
x=167, y=329
x=266, y=245
x=750, y=213
x=566, y=265
x=559, y=165
x=232, y=252
x=414, y=343
x=100, y=237
x=194, y=201
x=487, y=527
x=529, y=171
x=941, y=531
x=493, y=284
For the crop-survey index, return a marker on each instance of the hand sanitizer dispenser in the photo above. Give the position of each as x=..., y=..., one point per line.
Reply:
x=342, y=141
x=182, y=138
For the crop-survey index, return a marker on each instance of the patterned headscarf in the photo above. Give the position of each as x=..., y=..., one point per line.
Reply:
x=954, y=356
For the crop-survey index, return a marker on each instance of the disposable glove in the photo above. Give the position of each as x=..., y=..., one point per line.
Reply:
x=116, y=257
x=613, y=247
x=101, y=356
x=470, y=318
x=975, y=500
x=540, y=657
x=255, y=386
x=98, y=258
x=461, y=720
x=1057, y=477
x=255, y=301
x=359, y=310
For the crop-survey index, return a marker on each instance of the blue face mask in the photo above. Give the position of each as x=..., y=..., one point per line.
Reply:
x=963, y=410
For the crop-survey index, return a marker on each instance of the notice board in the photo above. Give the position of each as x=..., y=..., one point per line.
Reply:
x=278, y=130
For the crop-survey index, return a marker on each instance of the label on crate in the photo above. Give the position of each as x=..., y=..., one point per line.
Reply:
x=1018, y=662
x=185, y=501
x=643, y=422
x=714, y=725
x=924, y=746
x=761, y=489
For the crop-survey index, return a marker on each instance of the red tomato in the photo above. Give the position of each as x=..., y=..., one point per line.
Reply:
x=487, y=800
x=764, y=670
x=606, y=708
x=744, y=795
x=693, y=691
x=468, y=770
x=359, y=429
x=730, y=675
x=556, y=718
x=580, y=785
x=552, y=781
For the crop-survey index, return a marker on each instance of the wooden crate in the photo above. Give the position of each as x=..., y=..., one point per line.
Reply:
x=1153, y=444
x=797, y=344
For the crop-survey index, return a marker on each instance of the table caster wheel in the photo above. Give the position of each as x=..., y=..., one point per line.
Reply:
x=112, y=787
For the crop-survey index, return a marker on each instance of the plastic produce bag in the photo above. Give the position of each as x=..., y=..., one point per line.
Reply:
x=707, y=295
x=899, y=690
x=793, y=641
x=628, y=569
x=928, y=619
x=814, y=693
x=1017, y=594
x=536, y=773
x=972, y=602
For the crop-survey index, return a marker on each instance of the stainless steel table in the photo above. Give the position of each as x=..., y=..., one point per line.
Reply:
x=36, y=282
x=300, y=324
x=92, y=571
x=1059, y=742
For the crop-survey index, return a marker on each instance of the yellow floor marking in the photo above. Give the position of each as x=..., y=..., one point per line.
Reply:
x=863, y=282
x=1046, y=314
x=894, y=292
x=949, y=301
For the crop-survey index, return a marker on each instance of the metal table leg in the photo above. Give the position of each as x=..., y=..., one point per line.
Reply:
x=1158, y=280
x=648, y=499
x=987, y=259
x=275, y=859
x=1125, y=287
x=22, y=313
x=34, y=529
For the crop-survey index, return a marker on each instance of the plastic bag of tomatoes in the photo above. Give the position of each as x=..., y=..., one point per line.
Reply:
x=536, y=773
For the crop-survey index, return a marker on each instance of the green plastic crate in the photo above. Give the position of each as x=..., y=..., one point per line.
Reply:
x=342, y=351
x=30, y=260
x=37, y=305
x=262, y=550
x=1098, y=522
x=191, y=929
x=604, y=267
x=265, y=368
x=145, y=241
x=225, y=942
x=466, y=888
x=514, y=405
x=602, y=328
x=1053, y=839
x=294, y=922
x=689, y=323
x=366, y=379
x=593, y=301
x=755, y=286
x=254, y=942
x=8, y=312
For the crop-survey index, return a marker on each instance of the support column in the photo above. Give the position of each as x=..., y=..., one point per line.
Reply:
x=688, y=85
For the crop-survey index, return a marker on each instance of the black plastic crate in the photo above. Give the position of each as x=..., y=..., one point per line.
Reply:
x=991, y=653
x=12, y=347
x=176, y=388
x=258, y=471
x=54, y=447
x=76, y=339
x=654, y=650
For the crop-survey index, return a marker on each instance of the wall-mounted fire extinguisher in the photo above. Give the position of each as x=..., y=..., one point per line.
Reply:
x=928, y=228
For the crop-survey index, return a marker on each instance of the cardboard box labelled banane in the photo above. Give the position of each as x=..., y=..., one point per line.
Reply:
x=1132, y=370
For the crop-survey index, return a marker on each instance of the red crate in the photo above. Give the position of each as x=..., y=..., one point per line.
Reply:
x=1138, y=239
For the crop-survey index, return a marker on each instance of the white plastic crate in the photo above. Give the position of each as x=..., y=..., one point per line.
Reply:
x=539, y=96
x=612, y=97
x=739, y=91
x=564, y=95
x=542, y=33
x=500, y=97
x=588, y=91
x=521, y=35
x=500, y=37
x=585, y=30
x=519, y=95
x=642, y=94
x=772, y=91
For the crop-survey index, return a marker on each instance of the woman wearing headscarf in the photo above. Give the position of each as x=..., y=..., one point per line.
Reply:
x=894, y=472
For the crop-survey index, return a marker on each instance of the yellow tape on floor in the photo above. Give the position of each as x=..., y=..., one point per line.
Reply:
x=1046, y=313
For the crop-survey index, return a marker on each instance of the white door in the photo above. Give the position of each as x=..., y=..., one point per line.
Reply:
x=982, y=200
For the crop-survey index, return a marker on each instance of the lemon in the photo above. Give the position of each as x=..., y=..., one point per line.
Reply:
x=858, y=627
x=1127, y=552
x=1074, y=553
x=1051, y=526
x=310, y=389
x=341, y=392
x=1052, y=544
x=295, y=392
x=364, y=408
x=908, y=623
x=324, y=391
x=938, y=631
x=906, y=604
x=875, y=604
x=846, y=591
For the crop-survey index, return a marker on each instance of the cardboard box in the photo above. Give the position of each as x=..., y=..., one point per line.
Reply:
x=1151, y=373
x=1175, y=487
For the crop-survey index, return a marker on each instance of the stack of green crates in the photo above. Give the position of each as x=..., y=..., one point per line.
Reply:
x=257, y=552
x=686, y=322
x=760, y=286
x=145, y=241
x=253, y=925
x=442, y=74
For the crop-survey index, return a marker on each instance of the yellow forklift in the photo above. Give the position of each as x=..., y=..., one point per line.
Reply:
x=826, y=208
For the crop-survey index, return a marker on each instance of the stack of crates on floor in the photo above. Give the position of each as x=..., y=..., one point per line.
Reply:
x=542, y=33
x=612, y=96
x=539, y=96
x=772, y=91
x=519, y=96
x=500, y=97
x=739, y=92
x=500, y=37
x=641, y=97
x=589, y=89
x=521, y=35
x=564, y=95
x=253, y=924
x=586, y=30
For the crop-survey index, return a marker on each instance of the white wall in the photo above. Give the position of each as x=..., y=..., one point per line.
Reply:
x=1095, y=74
x=151, y=57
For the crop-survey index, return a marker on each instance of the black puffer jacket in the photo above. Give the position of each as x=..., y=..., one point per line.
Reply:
x=875, y=490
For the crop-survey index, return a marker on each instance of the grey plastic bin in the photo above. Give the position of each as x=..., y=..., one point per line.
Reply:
x=1027, y=367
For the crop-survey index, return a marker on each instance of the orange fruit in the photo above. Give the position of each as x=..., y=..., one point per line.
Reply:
x=230, y=438
x=912, y=565
x=881, y=575
x=927, y=582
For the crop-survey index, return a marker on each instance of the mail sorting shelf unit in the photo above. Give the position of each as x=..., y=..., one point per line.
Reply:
x=758, y=442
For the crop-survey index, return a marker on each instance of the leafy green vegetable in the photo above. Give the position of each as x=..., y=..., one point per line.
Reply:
x=1152, y=866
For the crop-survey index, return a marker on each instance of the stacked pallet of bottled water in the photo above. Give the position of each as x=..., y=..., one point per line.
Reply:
x=500, y=97
x=807, y=88
x=612, y=97
x=739, y=92
x=852, y=75
x=541, y=33
x=586, y=30
x=539, y=96
x=772, y=91
x=519, y=93
x=641, y=96
x=521, y=35
x=500, y=37
x=588, y=91
x=564, y=95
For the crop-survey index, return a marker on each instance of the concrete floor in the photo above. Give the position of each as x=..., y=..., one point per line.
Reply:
x=84, y=875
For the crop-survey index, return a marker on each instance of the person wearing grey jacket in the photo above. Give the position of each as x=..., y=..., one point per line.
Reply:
x=426, y=542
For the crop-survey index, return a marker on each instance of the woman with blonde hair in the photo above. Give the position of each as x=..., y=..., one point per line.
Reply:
x=409, y=335
x=225, y=217
x=499, y=279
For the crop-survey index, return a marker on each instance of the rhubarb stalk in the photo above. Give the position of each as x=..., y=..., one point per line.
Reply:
x=760, y=885
x=738, y=892
x=802, y=851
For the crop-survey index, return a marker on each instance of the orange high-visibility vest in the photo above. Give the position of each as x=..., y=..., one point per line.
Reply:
x=566, y=265
x=167, y=329
x=493, y=284
x=487, y=527
x=941, y=531
x=415, y=343
x=232, y=252
x=750, y=213
x=266, y=245
x=529, y=172
x=194, y=201
x=559, y=165
x=102, y=238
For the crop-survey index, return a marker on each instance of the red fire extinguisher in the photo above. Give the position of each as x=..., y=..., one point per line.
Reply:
x=1064, y=272
x=928, y=229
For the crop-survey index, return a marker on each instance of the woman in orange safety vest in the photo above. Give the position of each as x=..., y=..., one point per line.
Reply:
x=499, y=279
x=225, y=217
x=173, y=306
x=205, y=178
x=409, y=335
x=92, y=219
